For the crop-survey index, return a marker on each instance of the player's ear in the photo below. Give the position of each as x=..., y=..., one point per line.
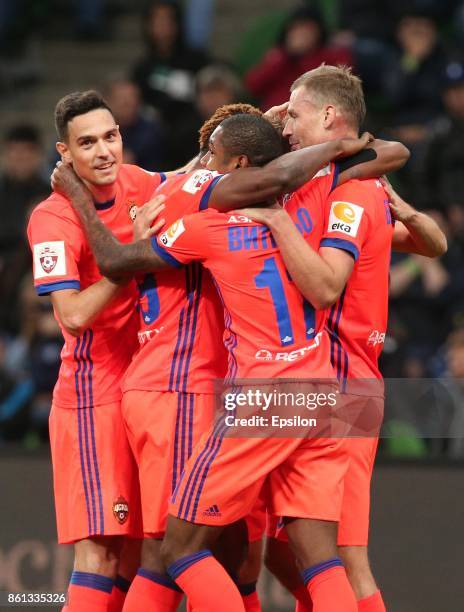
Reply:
x=328, y=116
x=242, y=161
x=63, y=151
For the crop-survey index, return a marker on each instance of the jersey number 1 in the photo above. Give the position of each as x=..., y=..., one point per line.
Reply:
x=270, y=278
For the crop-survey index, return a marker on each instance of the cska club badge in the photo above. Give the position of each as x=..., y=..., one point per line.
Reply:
x=48, y=259
x=132, y=210
x=121, y=510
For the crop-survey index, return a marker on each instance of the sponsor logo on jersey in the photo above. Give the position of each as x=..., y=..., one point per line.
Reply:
x=265, y=355
x=132, y=211
x=197, y=180
x=212, y=511
x=49, y=259
x=238, y=219
x=345, y=217
x=121, y=510
x=376, y=337
x=168, y=238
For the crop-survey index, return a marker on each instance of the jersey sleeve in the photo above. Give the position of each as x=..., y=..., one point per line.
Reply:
x=150, y=181
x=56, y=243
x=186, y=240
x=348, y=219
x=188, y=193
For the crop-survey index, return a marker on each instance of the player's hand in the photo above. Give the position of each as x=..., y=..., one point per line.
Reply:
x=276, y=115
x=401, y=210
x=66, y=182
x=146, y=222
x=265, y=214
x=351, y=146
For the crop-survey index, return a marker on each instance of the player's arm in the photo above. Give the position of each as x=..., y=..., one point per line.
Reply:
x=284, y=174
x=378, y=158
x=414, y=232
x=114, y=259
x=56, y=243
x=77, y=310
x=319, y=276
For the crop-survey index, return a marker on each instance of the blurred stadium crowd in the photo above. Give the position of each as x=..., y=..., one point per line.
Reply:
x=410, y=56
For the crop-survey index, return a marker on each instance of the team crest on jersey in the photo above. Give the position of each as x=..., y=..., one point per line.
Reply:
x=345, y=217
x=49, y=259
x=168, y=238
x=197, y=180
x=121, y=510
x=132, y=211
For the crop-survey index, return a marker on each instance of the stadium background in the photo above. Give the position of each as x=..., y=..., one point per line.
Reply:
x=411, y=58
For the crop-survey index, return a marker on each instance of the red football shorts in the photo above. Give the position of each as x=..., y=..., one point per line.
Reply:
x=225, y=475
x=94, y=474
x=353, y=529
x=256, y=520
x=163, y=428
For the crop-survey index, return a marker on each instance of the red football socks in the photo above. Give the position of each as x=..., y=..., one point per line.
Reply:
x=206, y=583
x=373, y=603
x=152, y=591
x=329, y=588
x=89, y=592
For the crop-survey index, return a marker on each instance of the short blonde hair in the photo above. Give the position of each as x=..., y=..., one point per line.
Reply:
x=336, y=85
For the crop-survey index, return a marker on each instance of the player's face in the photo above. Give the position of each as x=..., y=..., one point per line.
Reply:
x=94, y=147
x=217, y=158
x=304, y=124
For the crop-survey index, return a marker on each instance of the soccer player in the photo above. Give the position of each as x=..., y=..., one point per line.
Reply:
x=95, y=477
x=134, y=258
x=352, y=280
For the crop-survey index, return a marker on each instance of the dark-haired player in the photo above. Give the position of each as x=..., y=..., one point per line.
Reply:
x=95, y=477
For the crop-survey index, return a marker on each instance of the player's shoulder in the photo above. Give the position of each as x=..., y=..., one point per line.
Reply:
x=56, y=206
x=190, y=182
x=129, y=173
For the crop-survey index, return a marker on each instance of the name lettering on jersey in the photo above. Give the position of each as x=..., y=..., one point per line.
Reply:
x=265, y=355
x=376, y=337
x=345, y=217
x=169, y=237
x=259, y=237
x=250, y=238
x=49, y=259
x=197, y=180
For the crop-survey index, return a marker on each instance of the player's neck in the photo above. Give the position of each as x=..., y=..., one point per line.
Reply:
x=102, y=193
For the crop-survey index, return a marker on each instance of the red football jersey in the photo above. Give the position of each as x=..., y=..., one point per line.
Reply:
x=93, y=364
x=271, y=331
x=358, y=219
x=181, y=317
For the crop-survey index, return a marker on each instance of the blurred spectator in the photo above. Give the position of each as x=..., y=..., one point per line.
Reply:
x=302, y=47
x=29, y=367
x=413, y=76
x=21, y=184
x=198, y=22
x=455, y=375
x=166, y=74
x=89, y=18
x=142, y=134
x=215, y=85
x=442, y=181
